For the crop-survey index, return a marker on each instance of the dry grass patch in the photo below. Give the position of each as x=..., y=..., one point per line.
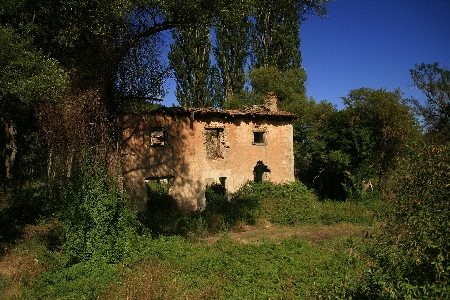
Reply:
x=270, y=232
x=154, y=280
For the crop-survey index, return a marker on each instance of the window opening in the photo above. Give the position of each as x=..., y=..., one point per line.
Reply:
x=213, y=150
x=157, y=137
x=222, y=182
x=158, y=193
x=260, y=172
x=259, y=137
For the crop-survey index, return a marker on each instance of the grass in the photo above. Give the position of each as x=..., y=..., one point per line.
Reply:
x=288, y=268
x=270, y=241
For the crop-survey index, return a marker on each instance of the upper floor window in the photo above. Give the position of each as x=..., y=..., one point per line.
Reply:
x=157, y=136
x=259, y=138
x=213, y=143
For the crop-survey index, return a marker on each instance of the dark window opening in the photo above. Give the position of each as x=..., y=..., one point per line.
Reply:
x=158, y=193
x=260, y=172
x=259, y=138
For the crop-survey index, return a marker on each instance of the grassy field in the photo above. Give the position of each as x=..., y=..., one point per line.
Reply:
x=270, y=242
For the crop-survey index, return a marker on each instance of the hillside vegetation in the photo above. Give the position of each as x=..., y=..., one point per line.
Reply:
x=270, y=241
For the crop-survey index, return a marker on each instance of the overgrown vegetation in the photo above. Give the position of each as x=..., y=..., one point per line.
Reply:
x=290, y=204
x=97, y=219
x=413, y=250
x=178, y=261
x=68, y=69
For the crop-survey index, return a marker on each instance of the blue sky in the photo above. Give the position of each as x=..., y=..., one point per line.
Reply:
x=371, y=43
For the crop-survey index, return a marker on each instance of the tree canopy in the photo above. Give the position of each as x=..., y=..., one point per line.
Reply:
x=359, y=143
x=434, y=82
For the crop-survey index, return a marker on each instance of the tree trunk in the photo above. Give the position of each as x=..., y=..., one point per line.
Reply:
x=10, y=148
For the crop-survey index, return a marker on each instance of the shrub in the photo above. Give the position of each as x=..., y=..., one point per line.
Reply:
x=98, y=221
x=413, y=251
x=293, y=204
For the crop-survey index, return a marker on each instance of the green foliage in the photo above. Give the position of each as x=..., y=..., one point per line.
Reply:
x=267, y=32
x=289, y=85
x=434, y=82
x=189, y=58
x=293, y=204
x=27, y=78
x=289, y=204
x=99, y=223
x=26, y=75
x=275, y=34
x=280, y=268
x=360, y=143
x=232, y=49
x=415, y=257
x=26, y=205
x=86, y=280
x=291, y=268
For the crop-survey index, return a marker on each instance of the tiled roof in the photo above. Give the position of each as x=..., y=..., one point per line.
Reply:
x=251, y=111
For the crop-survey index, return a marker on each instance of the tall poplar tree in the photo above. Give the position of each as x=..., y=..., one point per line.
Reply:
x=232, y=49
x=190, y=59
x=275, y=35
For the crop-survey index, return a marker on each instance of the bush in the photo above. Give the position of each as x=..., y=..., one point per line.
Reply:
x=293, y=204
x=98, y=221
x=413, y=251
x=287, y=204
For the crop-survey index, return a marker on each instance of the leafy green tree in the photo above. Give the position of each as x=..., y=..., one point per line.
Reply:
x=27, y=78
x=275, y=53
x=190, y=59
x=275, y=35
x=390, y=122
x=232, y=49
x=289, y=85
x=362, y=142
x=434, y=82
x=271, y=28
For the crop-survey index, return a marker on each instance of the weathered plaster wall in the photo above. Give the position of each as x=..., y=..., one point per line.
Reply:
x=187, y=160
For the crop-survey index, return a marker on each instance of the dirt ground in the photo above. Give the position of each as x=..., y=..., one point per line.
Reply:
x=267, y=232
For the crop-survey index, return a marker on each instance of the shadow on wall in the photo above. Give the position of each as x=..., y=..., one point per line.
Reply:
x=150, y=153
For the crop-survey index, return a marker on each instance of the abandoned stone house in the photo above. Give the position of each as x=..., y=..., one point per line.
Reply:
x=190, y=148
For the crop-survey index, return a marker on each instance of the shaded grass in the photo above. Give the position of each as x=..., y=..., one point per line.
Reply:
x=289, y=269
x=290, y=204
x=170, y=264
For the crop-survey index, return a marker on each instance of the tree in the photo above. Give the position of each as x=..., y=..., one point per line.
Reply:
x=190, y=59
x=434, y=82
x=232, y=49
x=289, y=86
x=272, y=30
x=362, y=142
x=276, y=57
x=275, y=35
x=27, y=78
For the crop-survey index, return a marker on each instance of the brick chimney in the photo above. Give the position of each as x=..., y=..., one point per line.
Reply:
x=270, y=102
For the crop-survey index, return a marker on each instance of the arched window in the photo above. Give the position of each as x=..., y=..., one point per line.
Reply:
x=260, y=172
